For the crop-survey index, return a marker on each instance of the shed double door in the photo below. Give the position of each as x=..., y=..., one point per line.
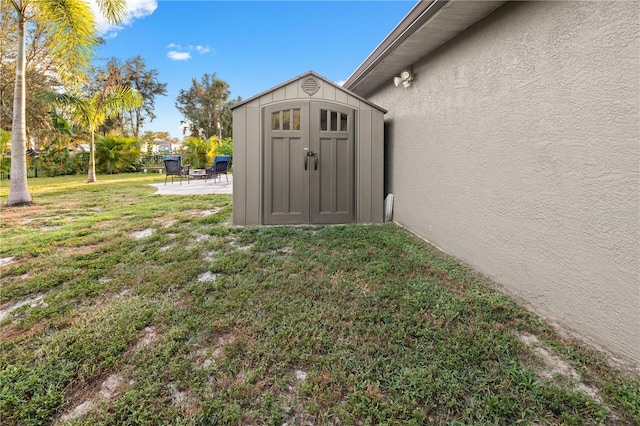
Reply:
x=309, y=168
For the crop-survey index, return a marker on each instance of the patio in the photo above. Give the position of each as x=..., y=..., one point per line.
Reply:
x=196, y=186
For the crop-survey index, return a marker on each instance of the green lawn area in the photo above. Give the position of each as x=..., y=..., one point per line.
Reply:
x=133, y=308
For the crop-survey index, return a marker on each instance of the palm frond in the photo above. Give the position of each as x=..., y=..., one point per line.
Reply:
x=60, y=123
x=113, y=10
x=71, y=26
x=121, y=98
x=63, y=100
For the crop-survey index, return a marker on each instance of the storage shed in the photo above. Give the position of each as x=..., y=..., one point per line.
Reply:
x=307, y=152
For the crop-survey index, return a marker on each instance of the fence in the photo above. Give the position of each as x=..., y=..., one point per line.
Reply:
x=34, y=169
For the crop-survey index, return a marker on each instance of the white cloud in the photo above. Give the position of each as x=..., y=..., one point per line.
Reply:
x=341, y=82
x=136, y=9
x=178, y=56
x=180, y=53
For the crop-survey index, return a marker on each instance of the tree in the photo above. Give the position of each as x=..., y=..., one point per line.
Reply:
x=70, y=28
x=91, y=112
x=225, y=147
x=227, y=117
x=41, y=75
x=146, y=83
x=8, y=41
x=131, y=73
x=203, y=104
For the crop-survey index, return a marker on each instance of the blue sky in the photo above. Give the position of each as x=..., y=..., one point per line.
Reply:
x=252, y=45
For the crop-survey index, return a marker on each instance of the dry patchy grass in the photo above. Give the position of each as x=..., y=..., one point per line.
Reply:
x=121, y=307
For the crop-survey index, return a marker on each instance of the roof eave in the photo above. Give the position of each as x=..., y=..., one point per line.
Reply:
x=429, y=25
x=417, y=16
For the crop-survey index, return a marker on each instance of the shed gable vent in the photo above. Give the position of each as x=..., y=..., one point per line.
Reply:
x=310, y=85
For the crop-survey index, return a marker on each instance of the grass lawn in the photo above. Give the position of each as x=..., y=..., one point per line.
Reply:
x=124, y=307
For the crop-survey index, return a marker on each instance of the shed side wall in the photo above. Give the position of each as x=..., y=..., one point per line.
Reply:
x=516, y=150
x=247, y=166
x=239, y=165
x=369, y=165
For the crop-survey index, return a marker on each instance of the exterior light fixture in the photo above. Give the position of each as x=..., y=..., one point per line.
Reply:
x=406, y=77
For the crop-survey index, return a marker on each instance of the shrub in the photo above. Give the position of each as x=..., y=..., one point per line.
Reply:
x=5, y=155
x=197, y=152
x=225, y=147
x=55, y=161
x=117, y=154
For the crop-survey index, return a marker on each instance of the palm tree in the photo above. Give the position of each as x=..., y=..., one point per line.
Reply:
x=91, y=112
x=71, y=28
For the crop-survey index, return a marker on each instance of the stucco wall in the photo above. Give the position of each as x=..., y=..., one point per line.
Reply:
x=517, y=150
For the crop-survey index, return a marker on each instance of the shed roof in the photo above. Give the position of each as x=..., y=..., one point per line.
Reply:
x=318, y=76
x=429, y=25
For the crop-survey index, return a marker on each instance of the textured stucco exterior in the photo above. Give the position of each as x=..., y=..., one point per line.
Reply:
x=517, y=150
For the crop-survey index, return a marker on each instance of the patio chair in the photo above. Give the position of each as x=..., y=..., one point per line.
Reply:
x=220, y=166
x=173, y=167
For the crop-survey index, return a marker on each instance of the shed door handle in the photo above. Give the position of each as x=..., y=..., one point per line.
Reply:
x=315, y=162
x=306, y=159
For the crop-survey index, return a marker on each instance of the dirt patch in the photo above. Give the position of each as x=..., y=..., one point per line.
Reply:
x=182, y=399
x=167, y=247
x=205, y=213
x=146, y=337
x=207, y=276
x=143, y=234
x=13, y=216
x=79, y=250
x=554, y=366
x=201, y=237
x=10, y=262
x=6, y=261
x=293, y=412
x=109, y=389
x=234, y=243
x=210, y=256
x=281, y=251
x=225, y=340
x=168, y=223
x=206, y=356
x=124, y=293
x=33, y=301
x=300, y=375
